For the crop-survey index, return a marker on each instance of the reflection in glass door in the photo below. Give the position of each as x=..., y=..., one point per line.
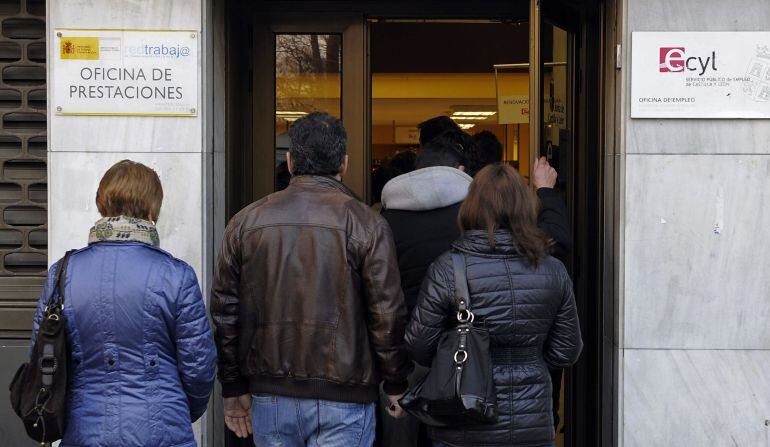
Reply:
x=556, y=137
x=556, y=141
x=308, y=78
x=297, y=66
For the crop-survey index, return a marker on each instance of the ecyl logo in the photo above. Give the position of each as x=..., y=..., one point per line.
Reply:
x=675, y=60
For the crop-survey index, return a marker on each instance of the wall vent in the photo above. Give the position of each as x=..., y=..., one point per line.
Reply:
x=23, y=162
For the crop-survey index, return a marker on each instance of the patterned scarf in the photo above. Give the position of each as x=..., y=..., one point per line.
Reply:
x=124, y=229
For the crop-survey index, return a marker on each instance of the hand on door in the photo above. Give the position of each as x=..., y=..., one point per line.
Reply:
x=543, y=174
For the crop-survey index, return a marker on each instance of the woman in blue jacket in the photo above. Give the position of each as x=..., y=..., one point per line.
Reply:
x=142, y=353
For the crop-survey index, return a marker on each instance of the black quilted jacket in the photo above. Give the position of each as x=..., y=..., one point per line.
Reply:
x=531, y=315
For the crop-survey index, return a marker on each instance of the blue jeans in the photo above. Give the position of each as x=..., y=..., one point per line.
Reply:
x=289, y=422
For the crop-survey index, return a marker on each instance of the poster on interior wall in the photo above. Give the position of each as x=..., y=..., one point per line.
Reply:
x=512, y=109
x=406, y=135
x=124, y=72
x=700, y=75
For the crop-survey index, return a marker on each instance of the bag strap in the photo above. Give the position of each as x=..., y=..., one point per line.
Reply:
x=464, y=315
x=462, y=295
x=61, y=276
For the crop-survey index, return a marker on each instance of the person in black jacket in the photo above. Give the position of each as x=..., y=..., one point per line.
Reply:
x=524, y=298
x=421, y=208
x=553, y=219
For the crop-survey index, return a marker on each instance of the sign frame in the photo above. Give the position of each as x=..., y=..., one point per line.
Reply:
x=57, y=59
x=700, y=75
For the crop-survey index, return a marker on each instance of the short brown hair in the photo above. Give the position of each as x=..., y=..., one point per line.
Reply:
x=130, y=189
x=498, y=199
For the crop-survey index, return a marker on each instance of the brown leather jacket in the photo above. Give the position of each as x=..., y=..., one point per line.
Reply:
x=307, y=300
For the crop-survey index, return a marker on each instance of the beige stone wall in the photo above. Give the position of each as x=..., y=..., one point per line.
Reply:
x=81, y=148
x=694, y=335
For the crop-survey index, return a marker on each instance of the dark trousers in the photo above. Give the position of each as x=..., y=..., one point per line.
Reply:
x=441, y=444
x=404, y=432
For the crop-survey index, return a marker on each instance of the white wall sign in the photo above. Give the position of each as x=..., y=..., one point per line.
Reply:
x=512, y=109
x=700, y=75
x=125, y=72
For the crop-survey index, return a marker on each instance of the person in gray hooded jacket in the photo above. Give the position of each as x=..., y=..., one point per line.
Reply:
x=421, y=208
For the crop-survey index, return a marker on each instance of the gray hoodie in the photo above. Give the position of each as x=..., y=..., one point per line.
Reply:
x=426, y=189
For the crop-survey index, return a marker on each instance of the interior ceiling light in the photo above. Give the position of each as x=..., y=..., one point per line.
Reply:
x=468, y=118
x=473, y=113
x=465, y=126
x=289, y=115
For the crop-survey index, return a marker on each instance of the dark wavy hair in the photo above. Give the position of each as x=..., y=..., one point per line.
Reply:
x=498, y=199
x=444, y=150
x=317, y=144
x=432, y=128
x=489, y=148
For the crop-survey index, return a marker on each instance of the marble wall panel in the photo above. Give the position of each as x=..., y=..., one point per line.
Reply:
x=653, y=136
x=696, y=398
x=82, y=148
x=696, y=259
x=121, y=134
x=144, y=14
x=118, y=134
x=697, y=15
x=74, y=179
x=695, y=136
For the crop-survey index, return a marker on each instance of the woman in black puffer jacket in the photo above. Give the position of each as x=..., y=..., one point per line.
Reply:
x=523, y=296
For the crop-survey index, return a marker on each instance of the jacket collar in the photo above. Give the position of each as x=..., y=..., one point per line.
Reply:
x=323, y=181
x=426, y=189
x=477, y=242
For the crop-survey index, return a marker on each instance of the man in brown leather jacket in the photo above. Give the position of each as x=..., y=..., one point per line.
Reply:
x=307, y=305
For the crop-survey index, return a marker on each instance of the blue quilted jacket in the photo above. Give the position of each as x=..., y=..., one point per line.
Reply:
x=143, y=357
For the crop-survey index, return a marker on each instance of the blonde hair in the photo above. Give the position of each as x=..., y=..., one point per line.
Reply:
x=130, y=189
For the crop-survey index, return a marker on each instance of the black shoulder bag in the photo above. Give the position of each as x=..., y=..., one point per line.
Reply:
x=39, y=388
x=458, y=390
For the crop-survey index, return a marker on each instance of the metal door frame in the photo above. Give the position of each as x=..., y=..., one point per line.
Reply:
x=353, y=105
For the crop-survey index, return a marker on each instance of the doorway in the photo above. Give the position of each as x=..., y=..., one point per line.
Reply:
x=383, y=67
x=421, y=69
x=477, y=73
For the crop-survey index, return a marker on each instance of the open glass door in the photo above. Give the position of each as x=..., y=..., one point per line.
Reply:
x=552, y=34
x=556, y=145
x=557, y=98
x=304, y=64
x=553, y=24
x=562, y=140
